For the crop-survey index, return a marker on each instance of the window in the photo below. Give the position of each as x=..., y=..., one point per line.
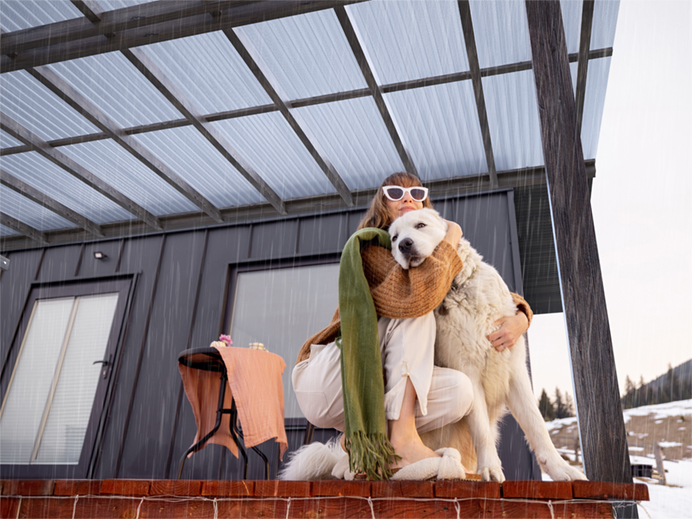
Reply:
x=61, y=360
x=281, y=308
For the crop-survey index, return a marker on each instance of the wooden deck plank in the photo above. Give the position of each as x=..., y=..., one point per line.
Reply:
x=537, y=489
x=243, y=488
x=466, y=489
x=74, y=487
x=340, y=488
x=171, y=487
x=36, y=487
x=125, y=487
x=607, y=490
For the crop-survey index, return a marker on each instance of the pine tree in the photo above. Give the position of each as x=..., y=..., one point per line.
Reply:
x=545, y=406
x=560, y=409
x=630, y=393
x=569, y=405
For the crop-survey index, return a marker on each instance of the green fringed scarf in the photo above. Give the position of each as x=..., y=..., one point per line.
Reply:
x=361, y=364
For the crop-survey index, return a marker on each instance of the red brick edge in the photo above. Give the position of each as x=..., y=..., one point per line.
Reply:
x=541, y=490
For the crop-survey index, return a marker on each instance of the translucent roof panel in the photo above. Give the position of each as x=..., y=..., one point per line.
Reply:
x=128, y=175
x=16, y=15
x=6, y=231
x=596, y=83
x=355, y=140
x=410, y=39
x=605, y=16
x=303, y=56
x=117, y=88
x=52, y=180
x=439, y=126
x=510, y=101
x=571, y=20
x=7, y=141
x=502, y=32
x=274, y=151
x=30, y=213
x=38, y=109
x=209, y=72
x=195, y=160
x=112, y=5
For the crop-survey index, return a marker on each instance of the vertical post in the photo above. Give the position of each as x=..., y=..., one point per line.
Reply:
x=601, y=426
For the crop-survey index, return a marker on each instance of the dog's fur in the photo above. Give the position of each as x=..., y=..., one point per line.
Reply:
x=478, y=297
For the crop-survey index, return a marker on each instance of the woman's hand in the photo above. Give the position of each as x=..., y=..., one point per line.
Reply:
x=511, y=328
x=453, y=233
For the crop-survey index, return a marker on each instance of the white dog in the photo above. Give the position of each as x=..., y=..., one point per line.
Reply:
x=478, y=297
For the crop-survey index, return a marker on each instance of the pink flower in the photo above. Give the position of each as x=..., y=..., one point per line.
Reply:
x=226, y=339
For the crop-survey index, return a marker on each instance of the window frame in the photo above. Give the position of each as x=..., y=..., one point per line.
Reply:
x=123, y=286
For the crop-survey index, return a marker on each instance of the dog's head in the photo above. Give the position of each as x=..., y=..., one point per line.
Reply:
x=415, y=236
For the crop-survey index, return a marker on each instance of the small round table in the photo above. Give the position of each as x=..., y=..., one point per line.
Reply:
x=209, y=359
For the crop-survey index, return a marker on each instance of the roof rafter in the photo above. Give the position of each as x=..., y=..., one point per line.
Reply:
x=22, y=228
x=40, y=198
x=243, y=49
x=375, y=89
x=311, y=101
x=472, y=52
x=583, y=63
x=141, y=25
x=77, y=170
x=88, y=8
x=85, y=107
x=164, y=85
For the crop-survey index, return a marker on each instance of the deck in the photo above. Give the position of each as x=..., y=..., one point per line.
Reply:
x=302, y=499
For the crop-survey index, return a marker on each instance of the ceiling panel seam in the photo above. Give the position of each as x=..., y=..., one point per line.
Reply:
x=583, y=63
x=472, y=52
x=248, y=56
x=374, y=88
x=85, y=107
x=164, y=85
x=77, y=170
x=50, y=203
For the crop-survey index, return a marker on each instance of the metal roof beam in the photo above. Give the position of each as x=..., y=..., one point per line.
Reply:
x=582, y=67
x=40, y=198
x=88, y=8
x=247, y=55
x=474, y=66
x=77, y=170
x=375, y=89
x=164, y=85
x=85, y=107
x=141, y=25
x=22, y=228
x=311, y=101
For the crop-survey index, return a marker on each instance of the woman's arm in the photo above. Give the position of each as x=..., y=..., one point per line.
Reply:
x=512, y=327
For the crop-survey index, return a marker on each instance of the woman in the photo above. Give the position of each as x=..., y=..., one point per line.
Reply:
x=417, y=396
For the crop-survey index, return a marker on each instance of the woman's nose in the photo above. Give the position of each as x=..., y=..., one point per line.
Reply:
x=407, y=197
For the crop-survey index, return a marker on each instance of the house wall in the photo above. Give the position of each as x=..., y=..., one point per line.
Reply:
x=181, y=297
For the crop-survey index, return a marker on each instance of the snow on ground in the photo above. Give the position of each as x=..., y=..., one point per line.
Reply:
x=670, y=501
x=679, y=408
x=673, y=500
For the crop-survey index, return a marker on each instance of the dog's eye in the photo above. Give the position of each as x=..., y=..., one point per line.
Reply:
x=420, y=225
x=394, y=238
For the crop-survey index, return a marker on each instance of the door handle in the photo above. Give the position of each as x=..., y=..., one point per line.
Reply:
x=105, y=364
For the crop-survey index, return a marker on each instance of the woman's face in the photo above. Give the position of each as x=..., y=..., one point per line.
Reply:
x=403, y=206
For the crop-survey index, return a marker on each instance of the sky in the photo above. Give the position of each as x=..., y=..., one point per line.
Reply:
x=641, y=201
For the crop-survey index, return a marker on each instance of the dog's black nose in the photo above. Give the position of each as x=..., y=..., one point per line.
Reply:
x=405, y=245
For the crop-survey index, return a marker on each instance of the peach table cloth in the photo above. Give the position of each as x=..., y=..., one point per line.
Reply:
x=254, y=380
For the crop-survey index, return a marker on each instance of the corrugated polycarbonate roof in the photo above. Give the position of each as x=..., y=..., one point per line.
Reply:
x=139, y=110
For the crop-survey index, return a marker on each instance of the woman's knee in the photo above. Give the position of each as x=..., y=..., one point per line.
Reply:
x=460, y=396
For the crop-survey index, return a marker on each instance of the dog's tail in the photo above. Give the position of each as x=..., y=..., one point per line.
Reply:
x=312, y=462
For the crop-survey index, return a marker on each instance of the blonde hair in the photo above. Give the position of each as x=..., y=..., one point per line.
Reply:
x=378, y=214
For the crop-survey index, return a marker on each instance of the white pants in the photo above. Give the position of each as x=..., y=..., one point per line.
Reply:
x=407, y=348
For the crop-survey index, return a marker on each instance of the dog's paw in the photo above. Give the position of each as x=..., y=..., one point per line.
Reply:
x=492, y=474
x=562, y=471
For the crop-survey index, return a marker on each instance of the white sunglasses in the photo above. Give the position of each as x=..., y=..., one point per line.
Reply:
x=396, y=193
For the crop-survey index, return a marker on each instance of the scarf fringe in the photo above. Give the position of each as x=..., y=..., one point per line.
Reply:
x=370, y=454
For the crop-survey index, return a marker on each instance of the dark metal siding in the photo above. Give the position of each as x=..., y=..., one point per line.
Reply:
x=181, y=300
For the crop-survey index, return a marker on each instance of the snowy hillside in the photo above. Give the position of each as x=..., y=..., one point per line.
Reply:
x=669, y=425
